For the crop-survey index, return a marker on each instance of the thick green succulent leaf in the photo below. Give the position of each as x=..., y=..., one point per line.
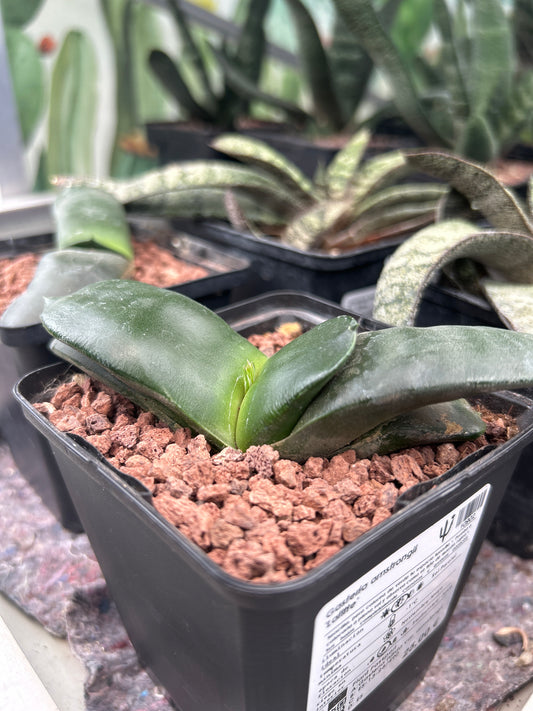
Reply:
x=492, y=65
x=315, y=66
x=27, y=79
x=247, y=89
x=351, y=68
x=73, y=105
x=210, y=203
x=260, y=155
x=342, y=169
x=477, y=140
x=413, y=265
x=91, y=217
x=291, y=378
x=399, y=369
x=311, y=228
x=166, y=350
x=481, y=187
x=454, y=421
x=376, y=173
x=362, y=19
x=59, y=273
x=170, y=78
x=405, y=194
x=183, y=176
x=19, y=12
x=512, y=302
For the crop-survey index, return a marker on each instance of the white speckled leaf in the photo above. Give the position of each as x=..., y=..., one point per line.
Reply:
x=414, y=264
x=483, y=190
x=342, y=169
x=512, y=302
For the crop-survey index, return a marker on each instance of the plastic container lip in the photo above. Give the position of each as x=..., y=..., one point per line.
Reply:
x=424, y=504
x=307, y=258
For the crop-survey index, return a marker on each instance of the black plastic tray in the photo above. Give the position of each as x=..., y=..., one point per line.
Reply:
x=216, y=642
x=277, y=266
x=25, y=349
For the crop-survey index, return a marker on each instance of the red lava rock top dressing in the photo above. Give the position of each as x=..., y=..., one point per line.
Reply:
x=261, y=518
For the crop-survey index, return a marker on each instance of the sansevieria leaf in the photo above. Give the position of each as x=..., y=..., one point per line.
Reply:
x=396, y=370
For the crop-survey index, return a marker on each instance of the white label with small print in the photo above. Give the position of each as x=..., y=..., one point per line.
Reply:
x=371, y=627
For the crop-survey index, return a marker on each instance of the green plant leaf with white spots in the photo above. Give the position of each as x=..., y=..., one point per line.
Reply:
x=420, y=258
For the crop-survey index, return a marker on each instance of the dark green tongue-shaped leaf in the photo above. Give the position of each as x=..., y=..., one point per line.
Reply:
x=291, y=378
x=396, y=370
x=454, y=421
x=161, y=349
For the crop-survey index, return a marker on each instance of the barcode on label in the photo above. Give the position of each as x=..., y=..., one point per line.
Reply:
x=470, y=508
x=339, y=702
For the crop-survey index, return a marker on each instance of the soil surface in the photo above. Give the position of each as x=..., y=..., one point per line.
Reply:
x=153, y=264
x=261, y=518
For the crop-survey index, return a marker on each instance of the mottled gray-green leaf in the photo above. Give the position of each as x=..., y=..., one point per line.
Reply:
x=415, y=262
x=310, y=228
x=341, y=171
x=512, y=302
x=261, y=155
x=481, y=187
x=182, y=176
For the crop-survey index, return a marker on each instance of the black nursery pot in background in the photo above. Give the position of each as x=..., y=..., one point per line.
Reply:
x=25, y=349
x=358, y=631
x=276, y=266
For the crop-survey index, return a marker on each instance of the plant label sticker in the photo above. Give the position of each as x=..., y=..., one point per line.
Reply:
x=372, y=626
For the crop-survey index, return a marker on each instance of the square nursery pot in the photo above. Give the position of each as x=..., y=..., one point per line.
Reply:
x=357, y=632
x=512, y=527
x=278, y=266
x=25, y=349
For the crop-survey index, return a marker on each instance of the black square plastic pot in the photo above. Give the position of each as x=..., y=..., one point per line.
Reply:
x=279, y=267
x=25, y=349
x=512, y=527
x=357, y=632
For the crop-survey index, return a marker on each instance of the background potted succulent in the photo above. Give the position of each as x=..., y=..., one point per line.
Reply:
x=474, y=97
x=325, y=235
x=226, y=635
x=92, y=241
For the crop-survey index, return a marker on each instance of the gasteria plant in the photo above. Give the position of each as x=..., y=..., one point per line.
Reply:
x=350, y=201
x=499, y=258
x=92, y=243
x=476, y=98
x=330, y=389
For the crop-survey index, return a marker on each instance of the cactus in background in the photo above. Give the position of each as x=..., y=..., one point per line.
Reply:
x=25, y=63
x=475, y=100
x=73, y=102
x=133, y=30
